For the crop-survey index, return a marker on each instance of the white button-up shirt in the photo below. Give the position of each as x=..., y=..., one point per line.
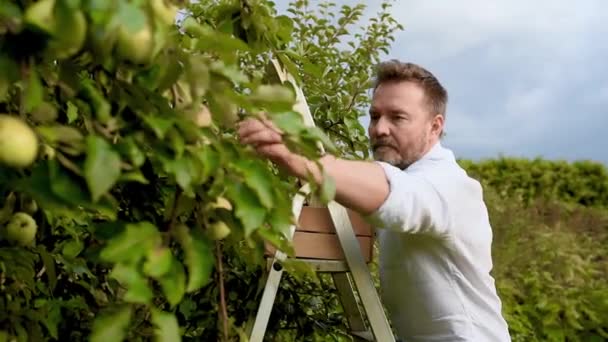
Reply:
x=435, y=256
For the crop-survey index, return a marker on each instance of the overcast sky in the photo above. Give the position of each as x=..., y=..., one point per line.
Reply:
x=525, y=78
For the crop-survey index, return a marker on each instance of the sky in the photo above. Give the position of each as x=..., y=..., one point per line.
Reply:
x=525, y=78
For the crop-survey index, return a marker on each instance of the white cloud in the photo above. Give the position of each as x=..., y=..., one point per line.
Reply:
x=441, y=29
x=525, y=78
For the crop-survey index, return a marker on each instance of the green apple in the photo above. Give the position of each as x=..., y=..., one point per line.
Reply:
x=137, y=46
x=71, y=34
x=18, y=142
x=21, y=229
x=218, y=230
x=223, y=110
x=222, y=203
x=41, y=15
x=166, y=12
x=203, y=117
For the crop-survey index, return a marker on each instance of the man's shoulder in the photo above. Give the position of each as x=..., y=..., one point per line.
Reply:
x=445, y=173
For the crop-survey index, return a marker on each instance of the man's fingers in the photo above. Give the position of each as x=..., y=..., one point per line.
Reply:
x=268, y=123
x=250, y=125
x=262, y=136
x=254, y=131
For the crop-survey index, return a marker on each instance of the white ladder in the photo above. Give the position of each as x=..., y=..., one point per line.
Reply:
x=349, y=275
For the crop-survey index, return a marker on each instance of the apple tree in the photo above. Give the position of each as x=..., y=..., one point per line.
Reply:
x=129, y=210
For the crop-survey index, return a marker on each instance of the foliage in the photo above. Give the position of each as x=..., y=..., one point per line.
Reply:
x=582, y=182
x=342, y=58
x=150, y=217
x=550, y=269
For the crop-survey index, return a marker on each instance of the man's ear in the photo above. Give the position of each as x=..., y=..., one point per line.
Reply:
x=437, y=124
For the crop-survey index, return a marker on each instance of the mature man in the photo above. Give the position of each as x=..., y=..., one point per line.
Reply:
x=433, y=228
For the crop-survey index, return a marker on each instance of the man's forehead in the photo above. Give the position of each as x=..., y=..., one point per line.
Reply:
x=389, y=104
x=393, y=98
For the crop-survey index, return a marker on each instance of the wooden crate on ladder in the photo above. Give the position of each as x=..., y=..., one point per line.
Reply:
x=315, y=236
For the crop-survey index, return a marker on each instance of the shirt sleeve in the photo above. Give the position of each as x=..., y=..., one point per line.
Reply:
x=413, y=205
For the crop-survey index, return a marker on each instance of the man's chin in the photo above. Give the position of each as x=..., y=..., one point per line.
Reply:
x=387, y=158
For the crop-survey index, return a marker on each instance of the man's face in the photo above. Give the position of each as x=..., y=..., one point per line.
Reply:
x=401, y=127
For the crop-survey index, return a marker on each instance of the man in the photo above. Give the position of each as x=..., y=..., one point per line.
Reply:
x=432, y=224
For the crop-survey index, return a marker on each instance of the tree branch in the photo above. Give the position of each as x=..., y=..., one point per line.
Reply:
x=223, y=313
x=173, y=217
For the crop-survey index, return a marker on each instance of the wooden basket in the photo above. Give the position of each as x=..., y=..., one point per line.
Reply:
x=315, y=236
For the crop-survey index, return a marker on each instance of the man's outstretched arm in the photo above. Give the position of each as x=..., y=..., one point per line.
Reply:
x=398, y=202
x=361, y=186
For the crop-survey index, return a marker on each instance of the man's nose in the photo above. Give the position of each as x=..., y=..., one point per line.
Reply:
x=379, y=128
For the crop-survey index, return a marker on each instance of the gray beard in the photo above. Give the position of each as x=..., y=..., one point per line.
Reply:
x=401, y=163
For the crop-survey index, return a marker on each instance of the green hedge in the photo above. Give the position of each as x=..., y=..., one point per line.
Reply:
x=580, y=182
x=550, y=269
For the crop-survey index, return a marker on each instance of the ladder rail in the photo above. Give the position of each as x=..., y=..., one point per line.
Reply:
x=274, y=277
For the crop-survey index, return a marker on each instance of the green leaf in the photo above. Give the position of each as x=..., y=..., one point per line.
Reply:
x=108, y=230
x=167, y=328
x=211, y=39
x=247, y=206
x=129, y=148
x=96, y=99
x=176, y=141
x=290, y=67
x=111, y=326
x=66, y=135
x=9, y=10
x=49, y=265
x=52, y=317
x=65, y=185
x=33, y=92
x=230, y=72
x=210, y=161
x=131, y=16
x=289, y=122
x=133, y=176
x=277, y=241
x=258, y=178
x=101, y=167
x=198, y=258
x=183, y=169
x=132, y=244
x=328, y=188
x=138, y=290
x=72, y=248
x=173, y=283
x=72, y=112
x=273, y=97
x=9, y=73
x=316, y=134
x=158, y=262
x=159, y=125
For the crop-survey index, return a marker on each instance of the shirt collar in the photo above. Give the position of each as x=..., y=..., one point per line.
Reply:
x=436, y=153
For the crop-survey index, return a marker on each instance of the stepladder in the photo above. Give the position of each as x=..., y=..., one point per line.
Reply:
x=331, y=239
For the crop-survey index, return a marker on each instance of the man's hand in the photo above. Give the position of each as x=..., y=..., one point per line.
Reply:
x=267, y=140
